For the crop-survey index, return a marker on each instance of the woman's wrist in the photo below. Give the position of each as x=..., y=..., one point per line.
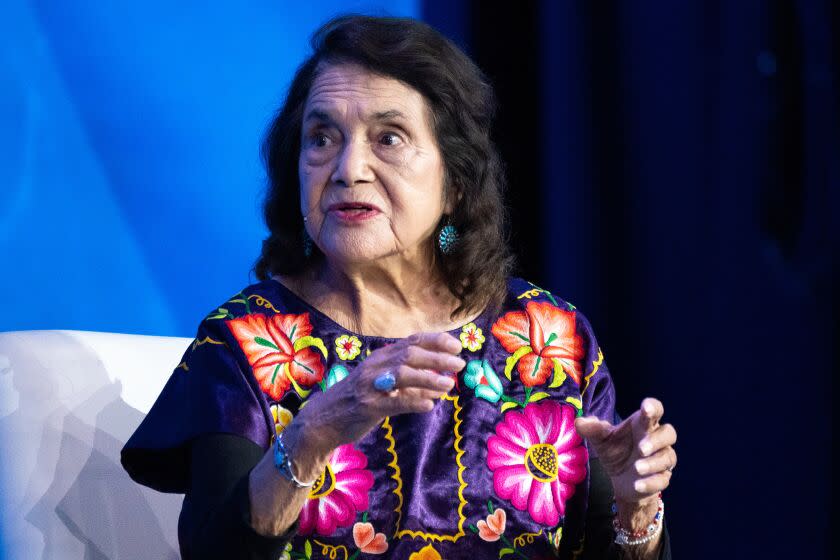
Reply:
x=308, y=450
x=636, y=515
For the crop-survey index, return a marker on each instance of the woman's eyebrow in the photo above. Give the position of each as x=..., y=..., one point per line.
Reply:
x=317, y=114
x=387, y=115
x=324, y=116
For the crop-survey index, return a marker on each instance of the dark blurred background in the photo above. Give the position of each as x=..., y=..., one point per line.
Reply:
x=674, y=171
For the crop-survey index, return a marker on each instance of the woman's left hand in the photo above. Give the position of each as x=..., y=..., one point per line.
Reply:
x=638, y=453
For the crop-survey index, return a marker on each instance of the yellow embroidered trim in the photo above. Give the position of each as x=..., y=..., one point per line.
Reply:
x=528, y=294
x=206, y=340
x=331, y=551
x=462, y=502
x=596, y=364
x=262, y=302
x=524, y=538
x=389, y=437
x=183, y=366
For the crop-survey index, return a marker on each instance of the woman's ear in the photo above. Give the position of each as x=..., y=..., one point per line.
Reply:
x=452, y=199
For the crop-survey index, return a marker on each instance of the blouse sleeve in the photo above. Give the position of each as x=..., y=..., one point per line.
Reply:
x=597, y=390
x=207, y=393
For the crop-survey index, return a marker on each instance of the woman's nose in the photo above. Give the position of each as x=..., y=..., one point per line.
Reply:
x=353, y=165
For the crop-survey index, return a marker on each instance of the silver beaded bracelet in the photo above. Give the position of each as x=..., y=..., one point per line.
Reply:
x=632, y=538
x=284, y=464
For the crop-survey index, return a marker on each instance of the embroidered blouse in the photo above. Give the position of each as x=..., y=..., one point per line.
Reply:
x=495, y=469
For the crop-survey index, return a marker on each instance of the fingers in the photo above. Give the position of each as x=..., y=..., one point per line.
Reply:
x=663, y=436
x=408, y=377
x=650, y=413
x=662, y=460
x=414, y=400
x=441, y=342
x=653, y=483
x=422, y=358
x=592, y=428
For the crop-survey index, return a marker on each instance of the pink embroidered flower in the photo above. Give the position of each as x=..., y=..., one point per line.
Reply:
x=537, y=458
x=492, y=528
x=338, y=494
x=368, y=540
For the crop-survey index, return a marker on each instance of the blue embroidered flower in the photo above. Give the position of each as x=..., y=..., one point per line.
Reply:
x=336, y=374
x=481, y=377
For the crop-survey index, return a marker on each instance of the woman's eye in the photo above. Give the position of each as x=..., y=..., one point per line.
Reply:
x=390, y=139
x=319, y=140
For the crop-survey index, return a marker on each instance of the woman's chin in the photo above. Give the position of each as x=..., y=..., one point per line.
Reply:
x=356, y=254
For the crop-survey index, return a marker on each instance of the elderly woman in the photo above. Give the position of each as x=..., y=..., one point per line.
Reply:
x=387, y=389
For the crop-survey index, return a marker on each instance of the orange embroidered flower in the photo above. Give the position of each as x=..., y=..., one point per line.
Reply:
x=492, y=528
x=426, y=553
x=279, y=349
x=368, y=540
x=541, y=339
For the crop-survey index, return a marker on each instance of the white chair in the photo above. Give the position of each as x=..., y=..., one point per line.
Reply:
x=69, y=400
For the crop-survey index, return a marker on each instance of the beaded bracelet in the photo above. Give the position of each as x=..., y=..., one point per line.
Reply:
x=623, y=536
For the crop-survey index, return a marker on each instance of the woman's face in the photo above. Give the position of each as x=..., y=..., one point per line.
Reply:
x=371, y=173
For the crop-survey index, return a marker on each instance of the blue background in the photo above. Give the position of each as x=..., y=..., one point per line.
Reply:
x=674, y=171
x=130, y=180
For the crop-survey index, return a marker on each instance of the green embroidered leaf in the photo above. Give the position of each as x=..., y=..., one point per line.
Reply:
x=559, y=374
x=490, y=507
x=237, y=301
x=307, y=341
x=263, y=342
x=308, y=549
x=511, y=361
x=574, y=402
x=508, y=405
x=473, y=528
x=505, y=552
x=538, y=397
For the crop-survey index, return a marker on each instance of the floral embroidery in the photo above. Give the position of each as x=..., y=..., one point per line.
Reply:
x=336, y=374
x=555, y=537
x=286, y=554
x=279, y=349
x=340, y=491
x=368, y=540
x=537, y=458
x=542, y=339
x=480, y=376
x=282, y=417
x=428, y=552
x=471, y=337
x=348, y=346
x=491, y=529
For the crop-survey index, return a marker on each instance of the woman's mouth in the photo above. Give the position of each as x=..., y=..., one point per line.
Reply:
x=353, y=211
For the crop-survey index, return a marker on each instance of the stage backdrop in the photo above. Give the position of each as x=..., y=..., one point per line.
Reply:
x=129, y=170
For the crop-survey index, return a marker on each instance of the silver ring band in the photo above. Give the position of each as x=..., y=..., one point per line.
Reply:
x=385, y=382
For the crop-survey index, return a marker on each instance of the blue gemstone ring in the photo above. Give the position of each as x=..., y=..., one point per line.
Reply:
x=385, y=382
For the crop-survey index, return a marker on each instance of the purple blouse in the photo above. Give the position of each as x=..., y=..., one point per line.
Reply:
x=495, y=468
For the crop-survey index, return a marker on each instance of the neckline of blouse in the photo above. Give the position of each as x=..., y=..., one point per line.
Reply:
x=478, y=320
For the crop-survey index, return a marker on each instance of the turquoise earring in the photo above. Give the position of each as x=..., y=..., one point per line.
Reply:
x=447, y=238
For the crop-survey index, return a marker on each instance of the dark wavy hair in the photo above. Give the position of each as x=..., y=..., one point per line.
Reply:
x=462, y=105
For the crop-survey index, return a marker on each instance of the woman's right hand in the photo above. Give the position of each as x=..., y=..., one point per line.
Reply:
x=351, y=408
